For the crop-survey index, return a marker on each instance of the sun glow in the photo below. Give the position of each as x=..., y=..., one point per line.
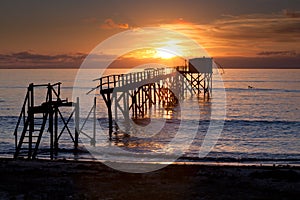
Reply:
x=153, y=53
x=164, y=54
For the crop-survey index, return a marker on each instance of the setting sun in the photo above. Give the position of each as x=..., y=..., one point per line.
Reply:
x=164, y=54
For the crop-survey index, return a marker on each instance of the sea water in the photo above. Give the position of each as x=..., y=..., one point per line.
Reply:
x=262, y=122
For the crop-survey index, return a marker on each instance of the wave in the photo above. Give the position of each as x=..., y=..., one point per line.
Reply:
x=103, y=119
x=259, y=81
x=242, y=159
x=263, y=121
x=246, y=89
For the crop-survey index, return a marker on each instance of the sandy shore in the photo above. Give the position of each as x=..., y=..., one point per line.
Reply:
x=23, y=179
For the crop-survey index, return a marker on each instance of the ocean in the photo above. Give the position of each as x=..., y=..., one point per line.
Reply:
x=262, y=123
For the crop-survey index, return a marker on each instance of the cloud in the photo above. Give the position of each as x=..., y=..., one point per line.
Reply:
x=292, y=27
x=27, y=59
x=245, y=35
x=110, y=24
x=264, y=62
x=256, y=27
x=277, y=53
x=29, y=56
x=31, y=59
x=291, y=14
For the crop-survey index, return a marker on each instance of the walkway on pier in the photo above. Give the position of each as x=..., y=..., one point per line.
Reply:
x=138, y=91
x=114, y=83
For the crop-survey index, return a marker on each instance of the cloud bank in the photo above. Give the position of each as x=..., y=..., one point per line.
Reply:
x=111, y=24
x=28, y=59
x=245, y=35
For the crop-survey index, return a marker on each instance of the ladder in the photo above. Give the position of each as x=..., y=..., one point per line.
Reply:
x=31, y=135
x=34, y=119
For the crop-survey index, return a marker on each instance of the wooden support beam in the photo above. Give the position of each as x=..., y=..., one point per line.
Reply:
x=31, y=119
x=56, y=130
x=77, y=121
x=50, y=111
x=93, y=140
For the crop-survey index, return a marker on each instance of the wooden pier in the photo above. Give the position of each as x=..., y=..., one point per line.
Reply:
x=136, y=92
x=131, y=94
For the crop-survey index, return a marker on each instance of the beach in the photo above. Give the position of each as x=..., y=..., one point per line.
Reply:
x=62, y=179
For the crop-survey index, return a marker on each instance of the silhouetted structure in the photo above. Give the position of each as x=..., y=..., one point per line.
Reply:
x=34, y=119
x=133, y=92
x=137, y=92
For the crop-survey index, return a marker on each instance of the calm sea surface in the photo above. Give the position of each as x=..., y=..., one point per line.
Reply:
x=262, y=124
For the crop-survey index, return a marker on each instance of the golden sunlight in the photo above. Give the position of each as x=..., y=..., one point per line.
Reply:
x=164, y=54
x=151, y=53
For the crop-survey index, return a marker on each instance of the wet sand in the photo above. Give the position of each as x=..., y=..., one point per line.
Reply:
x=42, y=179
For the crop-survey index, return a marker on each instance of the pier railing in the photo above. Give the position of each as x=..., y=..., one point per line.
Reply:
x=110, y=82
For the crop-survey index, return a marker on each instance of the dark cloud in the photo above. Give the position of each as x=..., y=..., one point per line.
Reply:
x=260, y=62
x=277, y=53
x=27, y=58
x=291, y=14
x=289, y=28
x=251, y=27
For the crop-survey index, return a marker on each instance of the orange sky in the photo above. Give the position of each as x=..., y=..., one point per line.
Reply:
x=62, y=33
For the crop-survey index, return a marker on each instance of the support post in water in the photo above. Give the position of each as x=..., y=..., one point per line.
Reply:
x=77, y=119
